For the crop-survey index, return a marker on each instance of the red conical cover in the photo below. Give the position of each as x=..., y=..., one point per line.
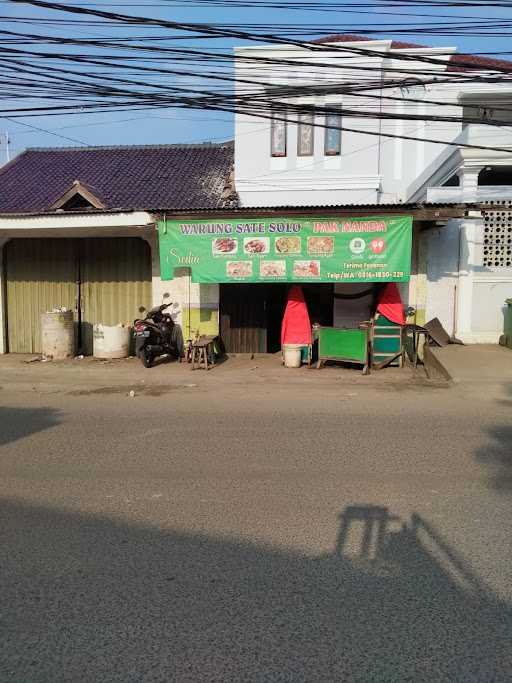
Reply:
x=296, y=327
x=390, y=304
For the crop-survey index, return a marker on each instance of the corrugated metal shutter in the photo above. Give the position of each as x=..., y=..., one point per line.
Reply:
x=115, y=276
x=40, y=275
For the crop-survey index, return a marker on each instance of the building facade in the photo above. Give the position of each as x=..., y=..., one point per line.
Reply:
x=78, y=230
x=345, y=128
x=395, y=123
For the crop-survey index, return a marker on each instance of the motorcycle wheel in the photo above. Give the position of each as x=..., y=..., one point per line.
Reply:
x=146, y=358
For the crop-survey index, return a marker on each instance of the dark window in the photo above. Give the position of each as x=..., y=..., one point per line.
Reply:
x=77, y=202
x=453, y=181
x=305, y=135
x=495, y=175
x=278, y=135
x=333, y=134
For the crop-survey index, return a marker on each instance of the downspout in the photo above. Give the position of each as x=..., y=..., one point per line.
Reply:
x=456, y=288
x=379, y=191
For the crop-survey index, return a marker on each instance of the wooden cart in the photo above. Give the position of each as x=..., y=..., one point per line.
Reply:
x=344, y=345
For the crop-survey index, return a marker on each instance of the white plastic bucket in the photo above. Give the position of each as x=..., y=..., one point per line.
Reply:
x=292, y=355
x=111, y=342
x=58, y=335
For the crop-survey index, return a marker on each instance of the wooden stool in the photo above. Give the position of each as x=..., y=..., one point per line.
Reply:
x=201, y=355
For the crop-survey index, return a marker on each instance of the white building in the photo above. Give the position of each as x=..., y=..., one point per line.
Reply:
x=464, y=267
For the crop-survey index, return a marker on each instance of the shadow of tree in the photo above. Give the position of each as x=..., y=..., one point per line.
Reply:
x=499, y=457
x=498, y=454
x=17, y=423
x=90, y=599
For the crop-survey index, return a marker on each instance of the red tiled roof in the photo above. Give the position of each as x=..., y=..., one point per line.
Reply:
x=341, y=38
x=460, y=62
x=155, y=177
x=456, y=62
x=348, y=38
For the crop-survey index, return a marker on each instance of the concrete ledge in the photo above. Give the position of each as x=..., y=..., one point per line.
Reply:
x=477, y=363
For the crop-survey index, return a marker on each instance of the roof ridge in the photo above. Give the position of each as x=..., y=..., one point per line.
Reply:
x=110, y=148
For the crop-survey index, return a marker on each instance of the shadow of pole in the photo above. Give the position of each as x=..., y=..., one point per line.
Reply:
x=87, y=598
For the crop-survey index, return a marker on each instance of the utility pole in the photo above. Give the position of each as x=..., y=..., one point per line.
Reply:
x=5, y=137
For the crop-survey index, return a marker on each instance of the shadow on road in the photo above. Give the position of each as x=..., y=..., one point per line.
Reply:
x=90, y=599
x=497, y=456
x=16, y=423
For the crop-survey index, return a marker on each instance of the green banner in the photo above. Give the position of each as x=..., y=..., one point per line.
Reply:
x=370, y=249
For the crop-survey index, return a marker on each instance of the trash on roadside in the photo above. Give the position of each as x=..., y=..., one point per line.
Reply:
x=80, y=357
x=37, y=359
x=59, y=309
x=131, y=394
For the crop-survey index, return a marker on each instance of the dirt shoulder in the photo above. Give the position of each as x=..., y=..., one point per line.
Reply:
x=79, y=376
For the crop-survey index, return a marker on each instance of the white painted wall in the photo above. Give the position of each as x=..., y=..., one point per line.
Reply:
x=482, y=290
x=262, y=180
x=442, y=246
x=467, y=297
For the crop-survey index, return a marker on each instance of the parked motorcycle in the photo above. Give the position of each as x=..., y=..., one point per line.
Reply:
x=157, y=335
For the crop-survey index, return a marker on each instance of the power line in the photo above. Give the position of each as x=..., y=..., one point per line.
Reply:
x=43, y=130
x=123, y=95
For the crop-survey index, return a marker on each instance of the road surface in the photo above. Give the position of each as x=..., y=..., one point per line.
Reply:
x=256, y=532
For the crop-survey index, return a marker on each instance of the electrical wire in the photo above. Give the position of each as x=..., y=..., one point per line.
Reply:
x=93, y=90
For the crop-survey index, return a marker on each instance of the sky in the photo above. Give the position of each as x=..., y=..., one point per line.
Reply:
x=184, y=126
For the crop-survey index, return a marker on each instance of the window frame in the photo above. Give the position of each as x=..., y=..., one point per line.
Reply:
x=273, y=122
x=328, y=128
x=300, y=125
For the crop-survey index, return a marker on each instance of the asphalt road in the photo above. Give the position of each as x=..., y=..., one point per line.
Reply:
x=256, y=533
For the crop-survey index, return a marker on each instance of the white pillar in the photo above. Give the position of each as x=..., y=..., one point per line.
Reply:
x=469, y=183
x=467, y=257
